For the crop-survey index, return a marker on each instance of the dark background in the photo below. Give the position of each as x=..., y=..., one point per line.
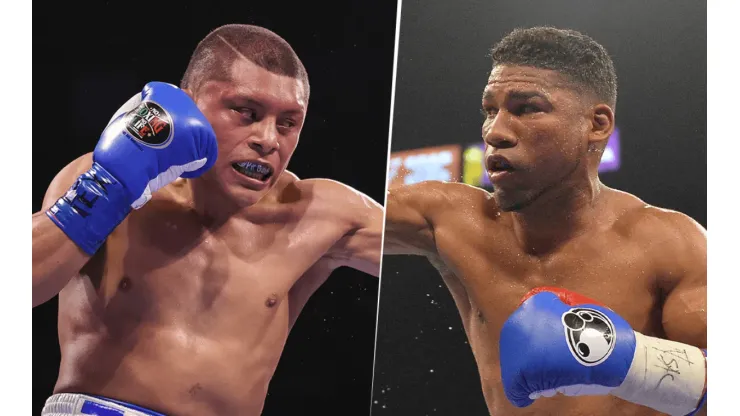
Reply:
x=424, y=365
x=90, y=57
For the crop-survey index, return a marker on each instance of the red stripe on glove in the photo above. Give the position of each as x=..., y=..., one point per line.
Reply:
x=568, y=297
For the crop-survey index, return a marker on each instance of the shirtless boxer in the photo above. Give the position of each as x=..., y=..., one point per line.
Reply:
x=182, y=305
x=548, y=108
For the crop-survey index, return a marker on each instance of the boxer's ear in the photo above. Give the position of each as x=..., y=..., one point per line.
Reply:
x=190, y=94
x=601, y=126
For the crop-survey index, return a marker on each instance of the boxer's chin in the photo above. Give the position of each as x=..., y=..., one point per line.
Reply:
x=249, y=197
x=511, y=200
x=241, y=191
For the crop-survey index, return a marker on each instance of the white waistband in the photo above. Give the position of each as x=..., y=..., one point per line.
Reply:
x=70, y=404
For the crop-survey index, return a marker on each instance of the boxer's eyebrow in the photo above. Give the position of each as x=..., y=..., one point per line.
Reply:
x=247, y=100
x=243, y=99
x=521, y=95
x=526, y=95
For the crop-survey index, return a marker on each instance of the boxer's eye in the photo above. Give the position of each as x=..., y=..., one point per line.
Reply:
x=247, y=113
x=489, y=112
x=528, y=109
x=287, y=123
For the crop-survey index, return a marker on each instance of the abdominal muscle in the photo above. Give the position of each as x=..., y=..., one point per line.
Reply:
x=183, y=318
x=170, y=358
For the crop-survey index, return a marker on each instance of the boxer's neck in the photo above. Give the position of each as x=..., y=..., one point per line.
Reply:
x=211, y=204
x=217, y=206
x=558, y=215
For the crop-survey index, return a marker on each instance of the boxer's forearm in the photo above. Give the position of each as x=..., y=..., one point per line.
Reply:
x=56, y=259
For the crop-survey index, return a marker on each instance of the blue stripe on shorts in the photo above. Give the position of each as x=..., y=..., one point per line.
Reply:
x=99, y=409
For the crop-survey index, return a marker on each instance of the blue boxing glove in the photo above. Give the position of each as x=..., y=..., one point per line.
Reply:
x=558, y=341
x=156, y=137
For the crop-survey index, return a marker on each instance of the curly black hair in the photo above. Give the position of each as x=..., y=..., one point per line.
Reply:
x=579, y=58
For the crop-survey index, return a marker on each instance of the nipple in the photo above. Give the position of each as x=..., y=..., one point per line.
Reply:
x=125, y=284
x=271, y=301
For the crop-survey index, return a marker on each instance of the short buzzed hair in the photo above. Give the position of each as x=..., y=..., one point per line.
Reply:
x=574, y=55
x=214, y=55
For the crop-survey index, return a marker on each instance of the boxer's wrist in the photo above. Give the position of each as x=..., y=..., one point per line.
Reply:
x=664, y=375
x=91, y=209
x=703, y=399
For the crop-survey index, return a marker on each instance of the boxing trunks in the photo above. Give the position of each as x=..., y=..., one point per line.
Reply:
x=71, y=404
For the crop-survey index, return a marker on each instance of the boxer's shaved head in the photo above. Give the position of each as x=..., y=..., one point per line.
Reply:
x=214, y=55
x=577, y=57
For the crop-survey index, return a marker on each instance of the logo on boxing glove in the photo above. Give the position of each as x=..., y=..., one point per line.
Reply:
x=590, y=335
x=150, y=124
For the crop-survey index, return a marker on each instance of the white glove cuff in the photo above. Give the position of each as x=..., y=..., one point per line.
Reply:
x=665, y=375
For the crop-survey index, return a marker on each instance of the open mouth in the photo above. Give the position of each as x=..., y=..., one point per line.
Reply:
x=255, y=170
x=500, y=165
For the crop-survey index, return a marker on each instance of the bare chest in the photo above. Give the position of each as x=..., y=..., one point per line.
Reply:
x=168, y=266
x=495, y=273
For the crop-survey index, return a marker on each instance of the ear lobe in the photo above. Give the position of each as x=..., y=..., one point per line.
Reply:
x=602, y=123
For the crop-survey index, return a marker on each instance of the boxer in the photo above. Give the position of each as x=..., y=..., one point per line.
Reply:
x=548, y=113
x=181, y=248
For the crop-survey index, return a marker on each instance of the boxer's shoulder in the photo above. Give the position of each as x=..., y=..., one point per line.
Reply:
x=448, y=190
x=322, y=197
x=671, y=222
x=676, y=241
x=642, y=220
x=441, y=196
x=669, y=238
x=335, y=194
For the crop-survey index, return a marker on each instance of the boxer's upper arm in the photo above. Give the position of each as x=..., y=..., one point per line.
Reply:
x=409, y=218
x=56, y=258
x=362, y=220
x=684, y=282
